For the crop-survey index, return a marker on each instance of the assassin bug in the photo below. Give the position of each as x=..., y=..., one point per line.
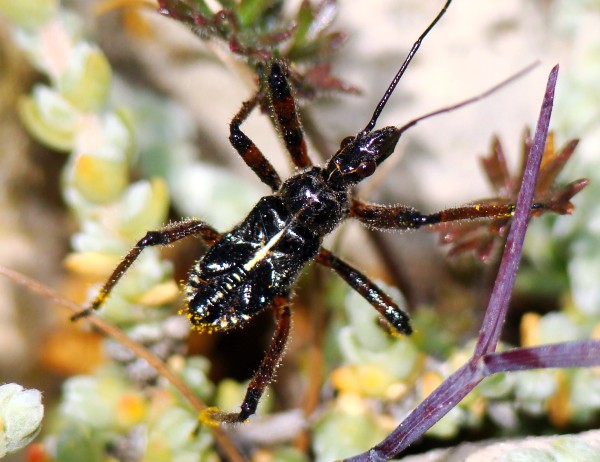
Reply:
x=254, y=266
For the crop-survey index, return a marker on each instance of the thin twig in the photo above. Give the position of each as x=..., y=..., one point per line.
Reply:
x=224, y=442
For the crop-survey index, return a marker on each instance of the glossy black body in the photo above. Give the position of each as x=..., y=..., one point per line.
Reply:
x=262, y=257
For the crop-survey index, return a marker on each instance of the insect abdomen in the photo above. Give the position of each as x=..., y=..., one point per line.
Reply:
x=241, y=274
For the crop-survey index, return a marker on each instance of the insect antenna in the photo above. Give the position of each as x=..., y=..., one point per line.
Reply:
x=473, y=99
x=413, y=51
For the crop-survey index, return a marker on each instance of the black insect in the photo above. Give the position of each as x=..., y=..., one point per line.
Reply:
x=254, y=266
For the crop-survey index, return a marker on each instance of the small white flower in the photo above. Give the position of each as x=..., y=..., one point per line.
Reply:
x=21, y=413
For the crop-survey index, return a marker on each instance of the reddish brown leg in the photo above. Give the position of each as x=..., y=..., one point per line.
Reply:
x=248, y=151
x=164, y=236
x=402, y=217
x=265, y=373
x=285, y=115
x=382, y=302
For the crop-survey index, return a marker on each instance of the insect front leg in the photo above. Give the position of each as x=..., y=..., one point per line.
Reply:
x=285, y=114
x=263, y=376
x=382, y=302
x=164, y=236
x=403, y=217
x=246, y=148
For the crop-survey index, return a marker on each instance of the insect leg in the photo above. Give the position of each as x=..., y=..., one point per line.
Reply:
x=285, y=114
x=403, y=217
x=246, y=148
x=382, y=302
x=164, y=236
x=265, y=373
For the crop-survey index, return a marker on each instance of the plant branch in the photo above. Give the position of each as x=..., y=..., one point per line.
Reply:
x=484, y=361
x=139, y=350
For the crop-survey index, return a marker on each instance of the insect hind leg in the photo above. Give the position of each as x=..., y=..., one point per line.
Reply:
x=164, y=236
x=263, y=376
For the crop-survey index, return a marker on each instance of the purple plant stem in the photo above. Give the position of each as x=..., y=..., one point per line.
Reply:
x=459, y=384
x=582, y=353
x=432, y=409
x=495, y=315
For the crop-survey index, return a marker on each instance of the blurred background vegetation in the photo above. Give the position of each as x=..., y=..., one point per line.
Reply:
x=137, y=108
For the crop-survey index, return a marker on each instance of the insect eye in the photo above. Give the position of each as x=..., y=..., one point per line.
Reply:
x=366, y=169
x=346, y=141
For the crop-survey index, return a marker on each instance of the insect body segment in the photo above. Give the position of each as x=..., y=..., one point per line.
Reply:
x=251, y=265
x=359, y=156
x=313, y=202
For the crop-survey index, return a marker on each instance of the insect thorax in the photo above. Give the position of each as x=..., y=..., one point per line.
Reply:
x=313, y=203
